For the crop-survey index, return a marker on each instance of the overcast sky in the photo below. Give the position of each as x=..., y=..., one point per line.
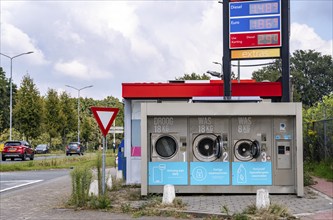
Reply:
x=106, y=43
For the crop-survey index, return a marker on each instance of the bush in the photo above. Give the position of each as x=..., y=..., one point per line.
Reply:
x=81, y=179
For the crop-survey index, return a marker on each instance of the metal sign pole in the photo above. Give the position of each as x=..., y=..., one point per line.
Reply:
x=285, y=56
x=103, y=165
x=226, y=60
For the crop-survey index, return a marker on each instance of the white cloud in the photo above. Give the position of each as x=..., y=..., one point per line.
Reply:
x=78, y=70
x=13, y=38
x=303, y=37
x=65, y=32
x=106, y=43
x=101, y=17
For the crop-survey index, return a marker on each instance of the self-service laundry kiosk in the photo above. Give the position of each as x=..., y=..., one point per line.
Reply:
x=222, y=147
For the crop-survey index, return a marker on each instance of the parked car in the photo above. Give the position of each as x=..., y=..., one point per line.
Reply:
x=2, y=145
x=74, y=148
x=42, y=149
x=17, y=149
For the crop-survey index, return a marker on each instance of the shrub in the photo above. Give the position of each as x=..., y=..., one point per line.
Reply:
x=81, y=179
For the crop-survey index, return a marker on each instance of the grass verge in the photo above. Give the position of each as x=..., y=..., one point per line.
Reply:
x=56, y=163
x=323, y=169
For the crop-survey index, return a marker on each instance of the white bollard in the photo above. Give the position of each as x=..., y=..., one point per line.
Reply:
x=168, y=194
x=119, y=175
x=109, y=182
x=262, y=199
x=93, y=189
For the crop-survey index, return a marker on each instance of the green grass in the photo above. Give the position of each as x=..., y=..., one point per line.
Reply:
x=323, y=169
x=57, y=163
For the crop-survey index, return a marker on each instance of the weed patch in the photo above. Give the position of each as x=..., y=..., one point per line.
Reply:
x=81, y=179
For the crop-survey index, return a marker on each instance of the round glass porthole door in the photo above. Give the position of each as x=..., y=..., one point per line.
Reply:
x=204, y=147
x=246, y=150
x=166, y=147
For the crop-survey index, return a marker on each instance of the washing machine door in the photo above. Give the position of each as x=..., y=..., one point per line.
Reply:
x=166, y=147
x=207, y=147
x=246, y=149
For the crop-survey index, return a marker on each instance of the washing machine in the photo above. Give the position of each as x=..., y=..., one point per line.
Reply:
x=246, y=150
x=251, y=139
x=208, y=138
x=207, y=147
x=167, y=147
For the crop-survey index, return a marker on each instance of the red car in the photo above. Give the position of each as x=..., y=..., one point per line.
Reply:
x=17, y=149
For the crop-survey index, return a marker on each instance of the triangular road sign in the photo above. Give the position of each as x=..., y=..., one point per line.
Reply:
x=104, y=117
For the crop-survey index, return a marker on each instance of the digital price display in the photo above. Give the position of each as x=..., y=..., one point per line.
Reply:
x=268, y=39
x=264, y=24
x=264, y=8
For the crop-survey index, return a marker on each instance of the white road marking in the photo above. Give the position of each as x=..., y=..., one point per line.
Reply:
x=27, y=182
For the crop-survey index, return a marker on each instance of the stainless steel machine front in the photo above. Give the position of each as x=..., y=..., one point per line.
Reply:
x=222, y=147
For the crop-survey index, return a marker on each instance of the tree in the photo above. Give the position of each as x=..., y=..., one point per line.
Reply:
x=194, y=76
x=311, y=72
x=271, y=72
x=86, y=129
x=28, y=110
x=4, y=100
x=68, y=116
x=52, y=121
x=315, y=119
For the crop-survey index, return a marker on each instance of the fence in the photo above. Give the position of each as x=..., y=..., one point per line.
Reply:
x=318, y=140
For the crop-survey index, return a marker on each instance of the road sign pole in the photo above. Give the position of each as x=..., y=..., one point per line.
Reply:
x=103, y=165
x=104, y=117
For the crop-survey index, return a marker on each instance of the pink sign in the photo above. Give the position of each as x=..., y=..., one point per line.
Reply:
x=136, y=151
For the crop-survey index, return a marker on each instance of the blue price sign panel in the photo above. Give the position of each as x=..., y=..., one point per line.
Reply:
x=251, y=173
x=254, y=8
x=212, y=173
x=254, y=24
x=162, y=173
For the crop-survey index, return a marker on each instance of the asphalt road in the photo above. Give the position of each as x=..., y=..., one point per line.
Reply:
x=11, y=181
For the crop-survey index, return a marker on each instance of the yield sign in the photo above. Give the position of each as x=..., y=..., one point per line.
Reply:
x=104, y=117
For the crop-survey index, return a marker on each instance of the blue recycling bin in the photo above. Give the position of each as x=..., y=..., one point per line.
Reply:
x=122, y=158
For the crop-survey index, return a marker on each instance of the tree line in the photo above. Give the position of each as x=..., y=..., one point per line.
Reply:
x=53, y=118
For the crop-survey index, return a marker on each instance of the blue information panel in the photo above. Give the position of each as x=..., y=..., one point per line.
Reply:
x=254, y=8
x=210, y=173
x=254, y=24
x=251, y=173
x=162, y=173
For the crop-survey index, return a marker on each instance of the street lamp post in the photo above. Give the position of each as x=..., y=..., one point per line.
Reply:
x=11, y=90
x=78, y=108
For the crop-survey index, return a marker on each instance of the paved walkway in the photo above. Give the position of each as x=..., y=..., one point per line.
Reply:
x=323, y=186
x=45, y=201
